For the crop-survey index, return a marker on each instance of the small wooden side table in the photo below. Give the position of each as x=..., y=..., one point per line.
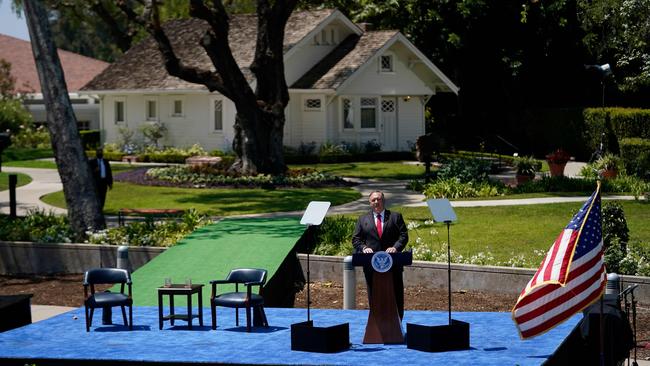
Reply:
x=179, y=289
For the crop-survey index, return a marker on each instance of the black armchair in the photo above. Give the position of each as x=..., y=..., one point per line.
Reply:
x=248, y=277
x=107, y=299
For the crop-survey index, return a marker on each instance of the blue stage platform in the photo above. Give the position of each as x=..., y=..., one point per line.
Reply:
x=494, y=341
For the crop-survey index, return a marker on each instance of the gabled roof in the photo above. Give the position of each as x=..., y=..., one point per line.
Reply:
x=78, y=69
x=356, y=52
x=142, y=68
x=344, y=60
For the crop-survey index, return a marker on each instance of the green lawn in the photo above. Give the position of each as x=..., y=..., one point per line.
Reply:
x=508, y=231
x=22, y=180
x=220, y=202
x=380, y=170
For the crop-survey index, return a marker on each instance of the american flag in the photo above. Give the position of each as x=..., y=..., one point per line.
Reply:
x=571, y=277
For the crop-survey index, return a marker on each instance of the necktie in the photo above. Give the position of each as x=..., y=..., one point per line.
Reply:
x=102, y=168
x=379, y=228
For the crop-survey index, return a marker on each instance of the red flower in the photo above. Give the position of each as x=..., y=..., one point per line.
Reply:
x=558, y=156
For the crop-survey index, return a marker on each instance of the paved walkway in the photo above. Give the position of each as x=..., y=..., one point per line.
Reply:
x=46, y=181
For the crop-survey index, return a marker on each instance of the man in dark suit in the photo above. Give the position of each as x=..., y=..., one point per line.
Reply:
x=378, y=230
x=103, y=176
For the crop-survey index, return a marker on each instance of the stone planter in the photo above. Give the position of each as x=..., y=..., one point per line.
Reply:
x=556, y=169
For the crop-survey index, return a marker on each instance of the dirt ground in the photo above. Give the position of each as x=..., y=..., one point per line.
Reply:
x=66, y=290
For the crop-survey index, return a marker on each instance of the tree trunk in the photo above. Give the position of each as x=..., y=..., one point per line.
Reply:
x=258, y=143
x=78, y=185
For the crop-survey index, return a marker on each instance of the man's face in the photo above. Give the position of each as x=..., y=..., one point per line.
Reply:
x=376, y=202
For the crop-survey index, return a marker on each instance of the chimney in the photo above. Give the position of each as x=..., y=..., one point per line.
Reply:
x=366, y=27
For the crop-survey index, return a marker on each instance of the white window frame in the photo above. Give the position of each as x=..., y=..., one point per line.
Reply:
x=116, y=120
x=351, y=111
x=147, y=102
x=362, y=107
x=390, y=70
x=306, y=108
x=172, y=112
x=213, y=121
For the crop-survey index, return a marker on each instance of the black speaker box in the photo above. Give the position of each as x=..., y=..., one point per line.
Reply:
x=306, y=337
x=440, y=338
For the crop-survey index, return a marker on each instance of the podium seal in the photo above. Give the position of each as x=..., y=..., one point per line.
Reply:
x=381, y=262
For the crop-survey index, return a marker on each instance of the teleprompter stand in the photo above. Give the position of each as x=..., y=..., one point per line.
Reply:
x=441, y=338
x=305, y=336
x=384, y=325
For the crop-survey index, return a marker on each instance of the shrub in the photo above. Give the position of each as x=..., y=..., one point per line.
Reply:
x=465, y=170
x=33, y=137
x=13, y=115
x=90, y=139
x=527, y=165
x=153, y=131
x=38, y=226
x=636, y=156
x=452, y=188
x=335, y=236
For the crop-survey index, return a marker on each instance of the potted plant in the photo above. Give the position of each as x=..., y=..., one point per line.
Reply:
x=557, y=161
x=607, y=165
x=526, y=168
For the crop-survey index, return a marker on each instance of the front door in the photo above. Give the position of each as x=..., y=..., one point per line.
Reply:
x=389, y=123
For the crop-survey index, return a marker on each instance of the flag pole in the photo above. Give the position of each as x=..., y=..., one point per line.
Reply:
x=601, y=318
x=448, y=270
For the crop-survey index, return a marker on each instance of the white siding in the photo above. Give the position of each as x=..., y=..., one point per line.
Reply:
x=305, y=57
x=403, y=81
x=313, y=123
x=194, y=126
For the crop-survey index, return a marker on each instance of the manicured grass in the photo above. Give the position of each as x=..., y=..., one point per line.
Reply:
x=13, y=154
x=50, y=164
x=22, y=180
x=220, y=202
x=39, y=164
x=508, y=231
x=370, y=170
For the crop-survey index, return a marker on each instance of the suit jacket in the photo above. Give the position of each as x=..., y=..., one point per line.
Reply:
x=394, y=234
x=94, y=168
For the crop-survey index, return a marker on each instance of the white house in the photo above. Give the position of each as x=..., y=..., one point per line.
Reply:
x=345, y=84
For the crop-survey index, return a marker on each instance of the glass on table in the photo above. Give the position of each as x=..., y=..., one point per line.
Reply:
x=188, y=282
x=168, y=282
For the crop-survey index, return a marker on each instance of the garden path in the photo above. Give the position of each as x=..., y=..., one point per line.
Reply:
x=46, y=181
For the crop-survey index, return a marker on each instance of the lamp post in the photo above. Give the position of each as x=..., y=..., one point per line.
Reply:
x=603, y=71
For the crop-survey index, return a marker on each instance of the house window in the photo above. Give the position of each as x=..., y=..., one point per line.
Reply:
x=83, y=125
x=368, y=112
x=323, y=35
x=333, y=36
x=312, y=104
x=151, y=110
x=177, y=108
x=386, y=63
x=218, y=115
x=388, y=105
x=348, y=115
x=120, y=111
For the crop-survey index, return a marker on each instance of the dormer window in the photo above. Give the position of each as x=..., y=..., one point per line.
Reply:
x=386, y=63
x=326, y=37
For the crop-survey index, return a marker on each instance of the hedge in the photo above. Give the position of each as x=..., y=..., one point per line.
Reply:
x=89, y=139
x=617, y=124
x=636, y=156
x=346, y=158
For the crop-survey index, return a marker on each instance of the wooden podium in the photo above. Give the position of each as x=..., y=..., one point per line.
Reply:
x=384, y=324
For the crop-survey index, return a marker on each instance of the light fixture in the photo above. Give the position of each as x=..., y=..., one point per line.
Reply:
x=407, y=98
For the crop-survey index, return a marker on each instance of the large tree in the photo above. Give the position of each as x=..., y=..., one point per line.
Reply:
x=260, y=118
x=78, y=185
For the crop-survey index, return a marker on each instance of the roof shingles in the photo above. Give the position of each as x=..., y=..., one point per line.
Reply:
x=142, y=67
x=344, y=60
x=78, y=69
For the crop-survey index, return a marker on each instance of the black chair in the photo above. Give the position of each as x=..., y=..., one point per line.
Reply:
x=107, y=299
x=248, y=277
